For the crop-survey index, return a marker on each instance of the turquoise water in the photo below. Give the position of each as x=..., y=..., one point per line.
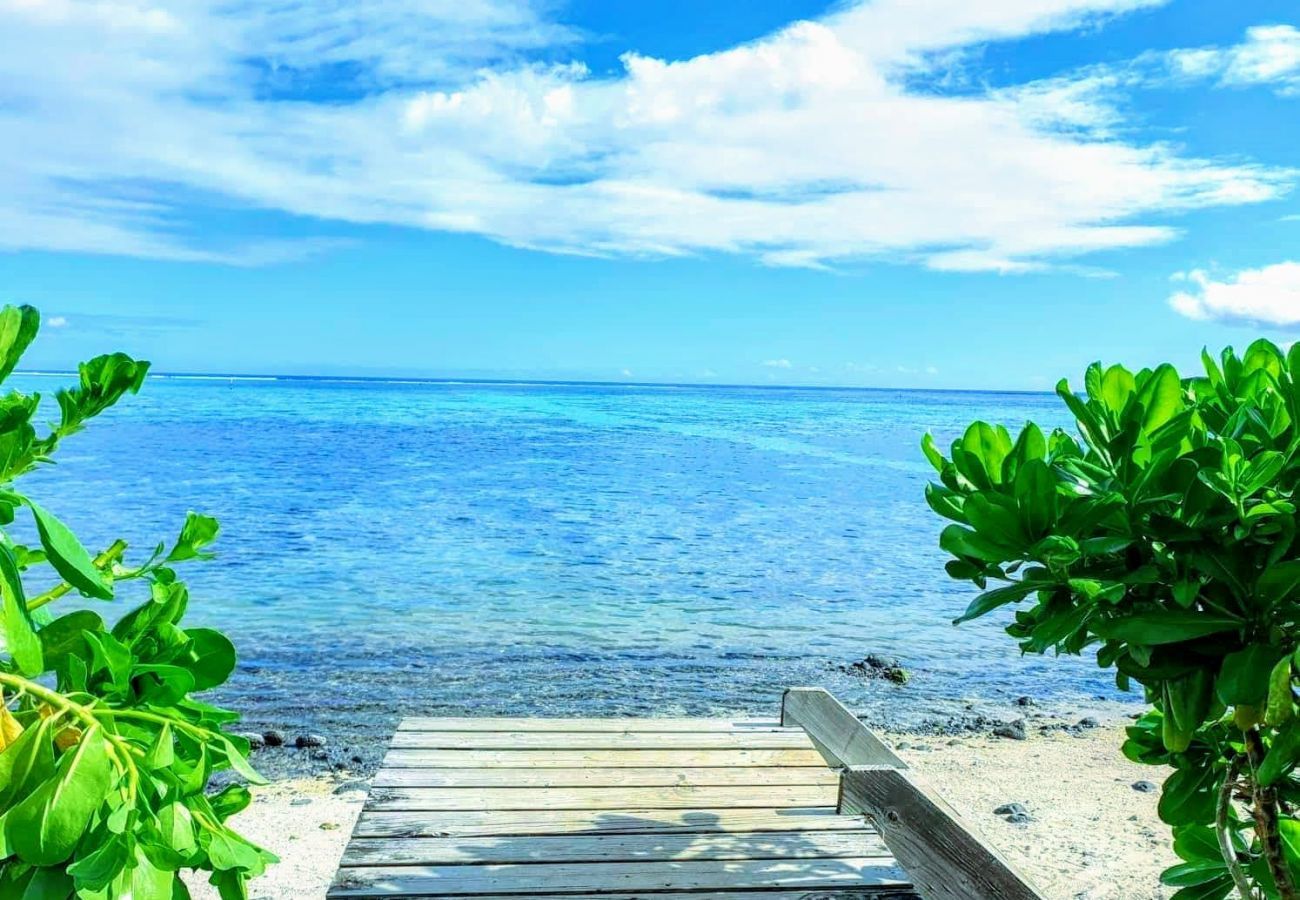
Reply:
x=554, y=549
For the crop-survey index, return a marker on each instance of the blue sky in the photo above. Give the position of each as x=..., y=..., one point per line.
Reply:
x=928, y=193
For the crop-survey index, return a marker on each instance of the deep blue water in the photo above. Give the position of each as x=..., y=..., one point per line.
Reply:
x=561, y=549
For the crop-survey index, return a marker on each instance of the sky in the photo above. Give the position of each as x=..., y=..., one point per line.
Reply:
x=893, y=193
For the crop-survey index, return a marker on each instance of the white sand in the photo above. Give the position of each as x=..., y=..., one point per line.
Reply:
x=1092, y=837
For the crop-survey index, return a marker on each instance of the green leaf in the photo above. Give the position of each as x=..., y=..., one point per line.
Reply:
x=25, y=763
x=1117, y=388
x=66, y=634
x=991, y=600
x=1281, y=702
x=987, y=447
x=210, y=657
x=239, y=762
x=965, y=543
x=1161, y=397
x=1188, y=797
x=1035, y=490
x=1282, y=755
x=18, y=327
x=1245, y=675
x=1165, y=626
x=197, y=532
x=45, y=827
x=932, y=452
x=68, y=557
x=20, y=631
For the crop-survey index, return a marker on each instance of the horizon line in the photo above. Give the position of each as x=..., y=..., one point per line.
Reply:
x=539, y=382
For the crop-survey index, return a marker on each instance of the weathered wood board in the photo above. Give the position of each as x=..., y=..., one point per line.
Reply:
x=658, y=809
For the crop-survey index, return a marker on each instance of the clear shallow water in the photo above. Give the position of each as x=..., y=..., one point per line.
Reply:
x=555, y=549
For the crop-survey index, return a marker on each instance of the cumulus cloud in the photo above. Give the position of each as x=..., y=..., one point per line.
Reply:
x=778, y=364
x=57, y=321
x=811, y=146
x=1267, y=296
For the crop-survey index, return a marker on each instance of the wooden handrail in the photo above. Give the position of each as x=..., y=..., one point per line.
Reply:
x=837, y=733
x=945, y=859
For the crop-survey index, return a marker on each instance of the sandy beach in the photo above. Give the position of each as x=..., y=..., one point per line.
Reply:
x=1093, y=836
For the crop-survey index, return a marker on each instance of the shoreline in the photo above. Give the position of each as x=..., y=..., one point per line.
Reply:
x=1090, y=833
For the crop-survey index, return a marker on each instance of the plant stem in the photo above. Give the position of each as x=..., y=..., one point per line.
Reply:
x=1221, y=830
x=1265, y=813
x=119, y=750
x=105, y=559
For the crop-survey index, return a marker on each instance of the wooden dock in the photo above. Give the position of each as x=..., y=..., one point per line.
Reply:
x=662, y=809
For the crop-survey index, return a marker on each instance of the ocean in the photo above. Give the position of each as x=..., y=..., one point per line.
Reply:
x=556, y=549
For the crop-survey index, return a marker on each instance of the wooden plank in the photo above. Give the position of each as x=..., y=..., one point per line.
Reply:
x=673, y=797
x=646, y=777
x=483, y=723
x=686, y=875
x=835, y=731
x=577, y=759
x=597, y=740
x=944, y=856
x=380, y=823
x=613, y=848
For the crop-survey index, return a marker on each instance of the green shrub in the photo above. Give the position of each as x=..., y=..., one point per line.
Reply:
x=105, y=756
x=1165, y=541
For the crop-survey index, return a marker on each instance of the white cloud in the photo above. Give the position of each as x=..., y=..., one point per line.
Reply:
x=1270, y=54
x=1268, y=295
x=57, y=321
x=778, y=364
x=807, y=147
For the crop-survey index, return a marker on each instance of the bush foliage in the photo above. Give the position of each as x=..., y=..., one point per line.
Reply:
x=1163, y=537
x=105, y=755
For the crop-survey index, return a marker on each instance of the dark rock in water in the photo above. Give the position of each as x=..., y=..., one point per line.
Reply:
x=903, y=745
x=875, y=666
x=1013, y=730
x=255, y=740
x=1020, y=818
x=1089, y=722
x=309, y=740
x=273, y=738
x=896, y=674
x=1144, y=787
x=1026, y=701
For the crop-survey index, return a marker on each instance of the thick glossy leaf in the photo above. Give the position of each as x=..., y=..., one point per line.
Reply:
x=20, y=631
x=18, y=327
x=1244, y=677
x=26, y=763
x=68, y=557
x=963, y=542
x=210, y=657
x=1282, y=754
x=66, y=634
x=1166, y=626
x=1161, y=397
x=45, y=827
x=1281, y=701
x=991, y=600
x=1188, y=797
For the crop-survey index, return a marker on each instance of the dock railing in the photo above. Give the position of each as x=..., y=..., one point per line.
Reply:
x=944, y=857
